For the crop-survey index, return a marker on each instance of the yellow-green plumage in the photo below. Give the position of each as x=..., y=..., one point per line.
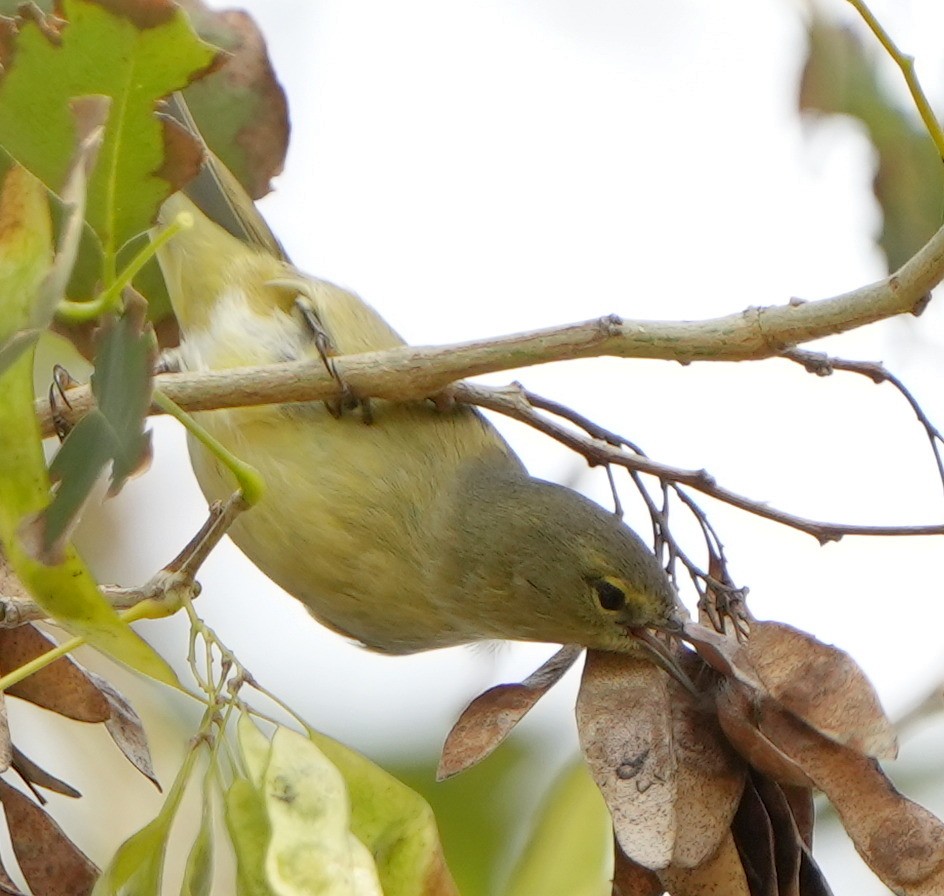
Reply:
x=419, y=530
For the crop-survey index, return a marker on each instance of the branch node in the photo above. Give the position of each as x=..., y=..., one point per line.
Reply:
x=918, y=308
x=611, y=325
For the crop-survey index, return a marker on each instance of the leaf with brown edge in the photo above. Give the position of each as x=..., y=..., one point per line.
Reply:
x=737, y=709
x=126, y=729
x=62, y=686
x=35, y=776
x=821, y=685
x=491, y=716
x=671, y=781
x=51, y=863
x=241, y=108
x=900, y=841
x=721, y=875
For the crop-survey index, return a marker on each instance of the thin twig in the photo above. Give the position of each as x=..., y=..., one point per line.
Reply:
x=17, y=608
x=823, y=365
x=907, y=66
x=513, y=403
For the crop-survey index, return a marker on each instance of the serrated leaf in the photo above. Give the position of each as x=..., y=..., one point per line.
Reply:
x=122, y=384
x=568, y=850
x=135, y=54
x=395, y=824
x=113, y=433
x=51, y=863
x=66, y=590
x=240, y=107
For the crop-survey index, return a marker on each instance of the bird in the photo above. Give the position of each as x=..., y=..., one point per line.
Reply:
x=408, y=528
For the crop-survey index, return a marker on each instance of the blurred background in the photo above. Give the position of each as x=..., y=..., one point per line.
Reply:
x=474, y=169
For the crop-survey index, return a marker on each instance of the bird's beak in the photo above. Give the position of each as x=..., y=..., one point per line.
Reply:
x=662, y=655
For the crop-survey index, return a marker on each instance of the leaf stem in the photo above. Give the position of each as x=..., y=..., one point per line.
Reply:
x=248, y=478
x=906, y=63
x=75, y=313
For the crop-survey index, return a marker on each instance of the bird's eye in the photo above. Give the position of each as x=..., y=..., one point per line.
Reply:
x=609, y=595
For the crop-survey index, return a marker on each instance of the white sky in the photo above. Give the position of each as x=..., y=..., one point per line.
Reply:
x=473, y=169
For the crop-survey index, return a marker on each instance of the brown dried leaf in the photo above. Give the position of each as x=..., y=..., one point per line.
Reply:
x=821, y=685
x=670, y=779
x=51, y=863
x=800, y=800
x=7, y=887
x=126, y=729
x=812, y=882
x=737, y=714
x=630, y=879
x=788, y=844
x=491, y=716
x=62, y=686
x=183, y=154
x=33, y=774
x=722, y=653
x=625, y=732
x=901, y=841
x=709, y=780
x=722, y=875
x=753, y=834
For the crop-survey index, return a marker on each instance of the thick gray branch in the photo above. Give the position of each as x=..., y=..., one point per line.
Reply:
x=413, y=372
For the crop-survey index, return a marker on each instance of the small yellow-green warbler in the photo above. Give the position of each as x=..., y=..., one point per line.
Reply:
x=418, y=530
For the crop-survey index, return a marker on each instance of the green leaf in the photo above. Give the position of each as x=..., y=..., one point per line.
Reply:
x=136, y=58
x=198, y=872
x=840, y=77
x=113, y=432
x=312, y=850
x=249, y=831
x=570, y=849
x=394, y=822
x=255, y=749
x=489, y=799
x=240, y=107
x=138, y=866
x=65, y=590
